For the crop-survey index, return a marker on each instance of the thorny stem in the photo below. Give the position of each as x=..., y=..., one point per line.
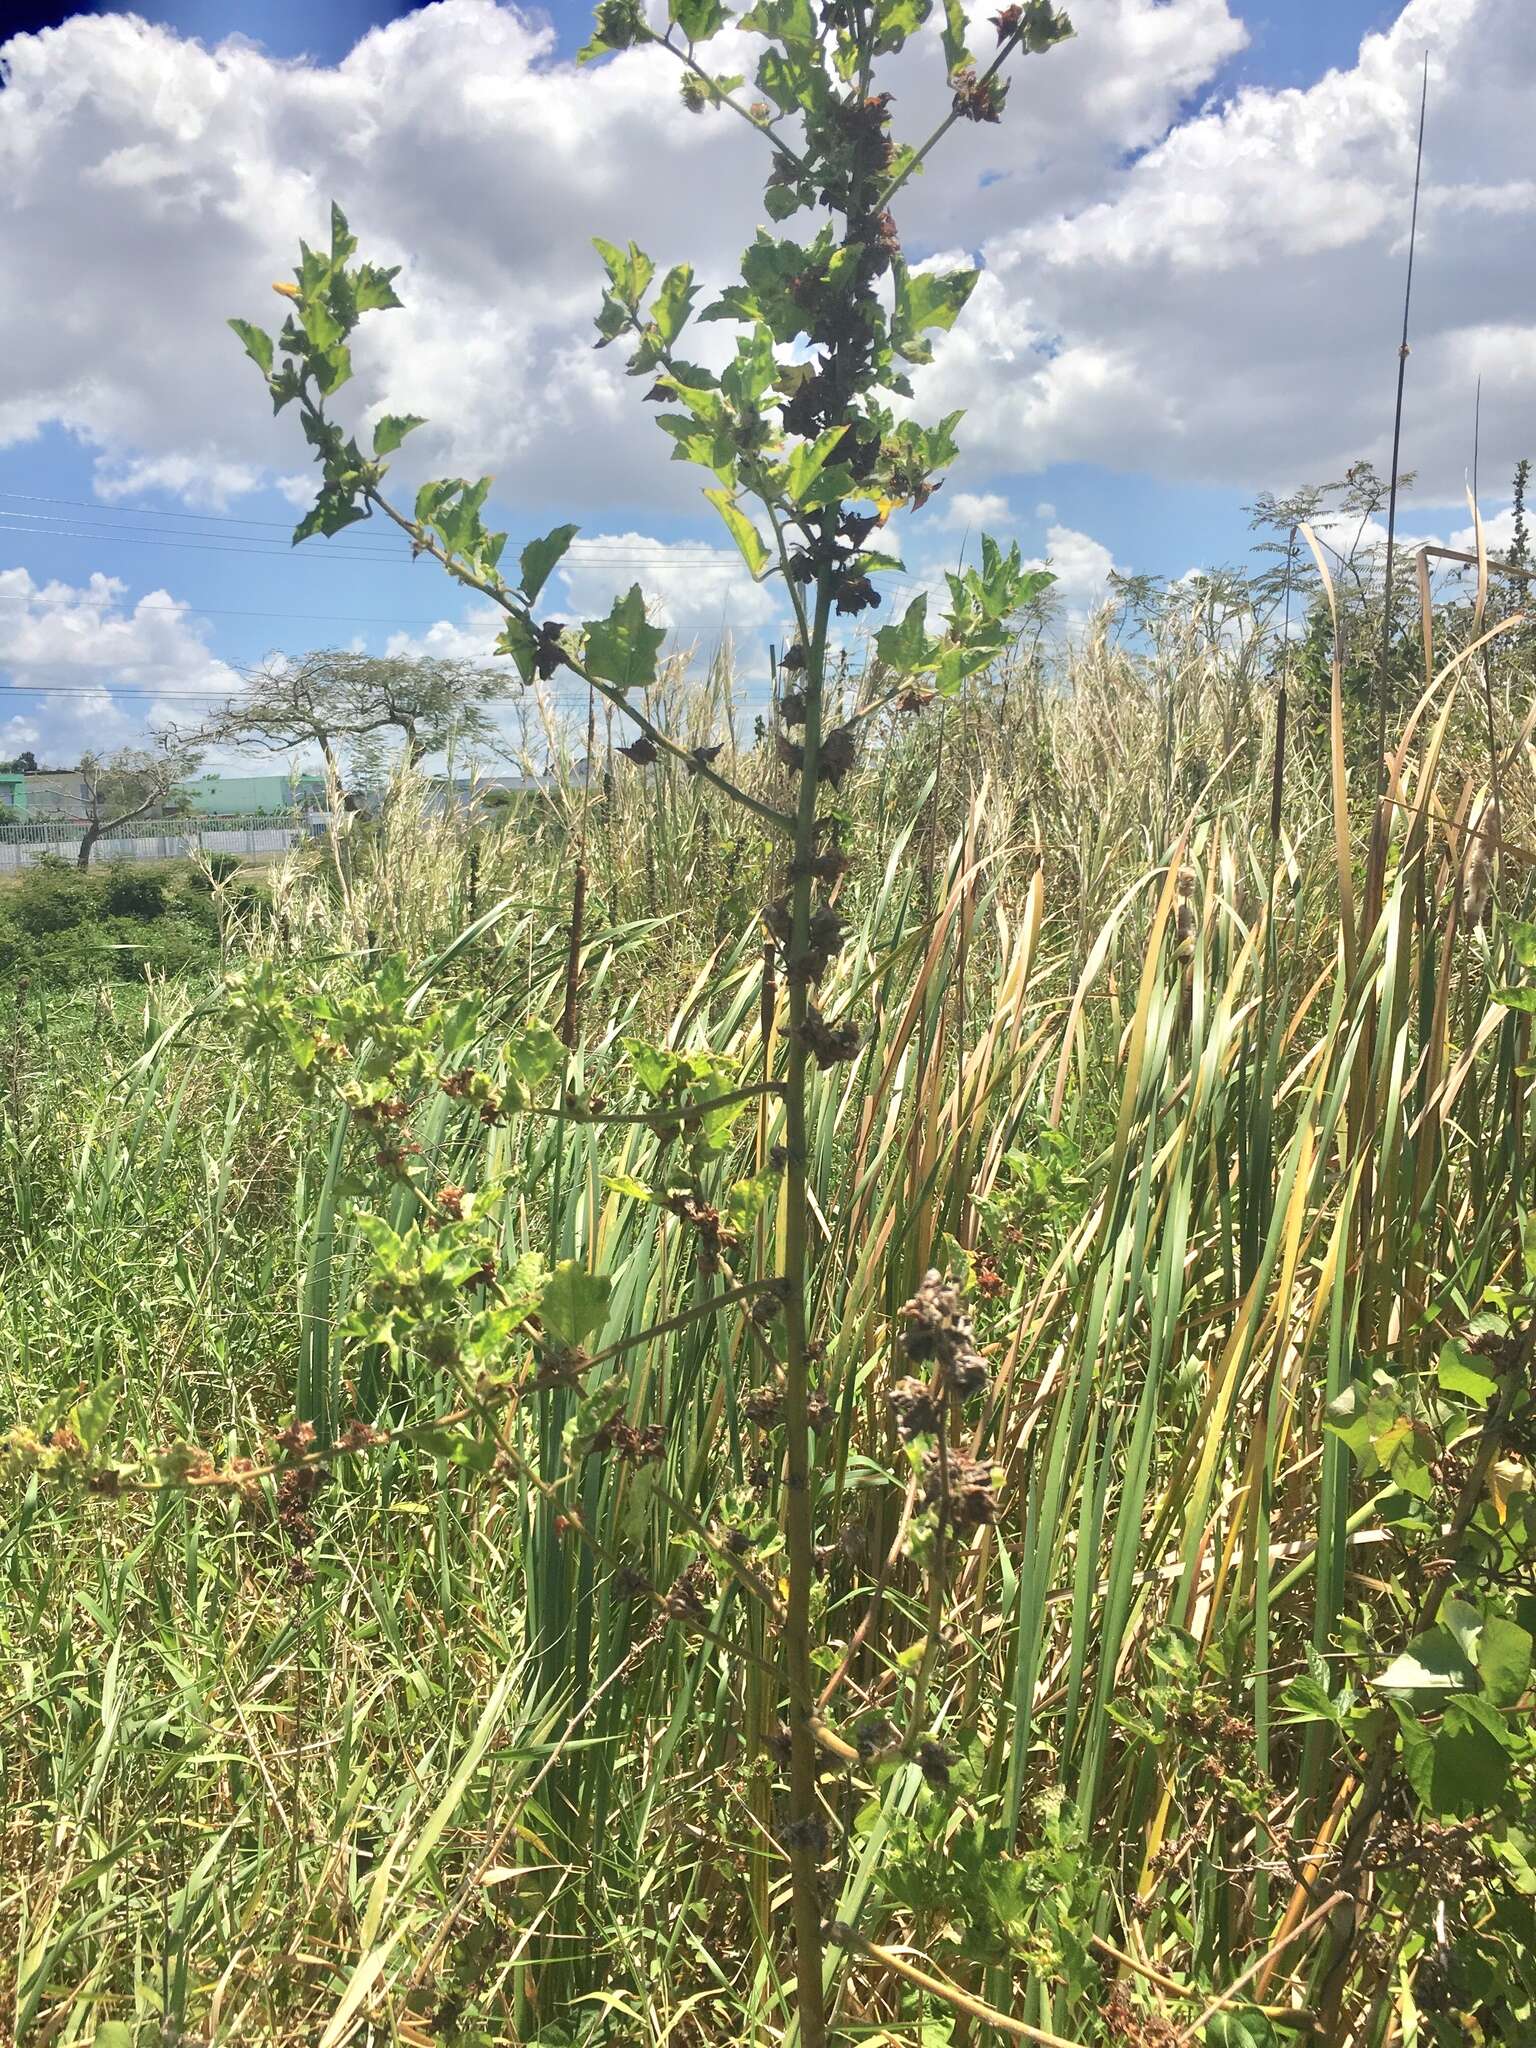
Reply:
x=804, y=1812
x=936, y=1588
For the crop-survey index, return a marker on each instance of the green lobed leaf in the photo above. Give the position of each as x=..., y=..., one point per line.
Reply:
x=91, y=1416
x=332, y=510
x=780, y=201
x=895, y=20
x=1460, y=1371
x=375, y=288
x=1240, y=2027
x=754, y=550
x=955, y=663
x=956, y=54
x=674, y=303
x=573, y=1303
x=924, y=299
x=1503, y=1661
x=540, y=557
x=746, y=1199
x=784, y=21
x=518, y=639
x=904, y=645
x=623, y=647
x=1460, y=1767
x=698, y=19
x=258, y=344
x=1433, y=1662
x=332, y=369
x=1306, y=1699
x=392, y=429
x=807, y=462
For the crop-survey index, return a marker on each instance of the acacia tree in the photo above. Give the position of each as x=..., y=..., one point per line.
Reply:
x=331, y=697
x=120, y=787
x=808, y=463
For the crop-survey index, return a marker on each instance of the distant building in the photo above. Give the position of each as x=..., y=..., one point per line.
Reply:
x=464, y=790
x=249, y=796
x=13, y=796
x=55, y=793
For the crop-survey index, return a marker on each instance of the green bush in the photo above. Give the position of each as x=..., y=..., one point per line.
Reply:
x=133, y=892
x=54, y=897
x=63, y=930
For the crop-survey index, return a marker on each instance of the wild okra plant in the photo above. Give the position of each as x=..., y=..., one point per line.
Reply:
x=808, y=459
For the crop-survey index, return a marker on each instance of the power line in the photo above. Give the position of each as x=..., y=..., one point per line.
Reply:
x=219, y=546
x=111, y=690
x=389, y=548
x=48, y=522
x=141, y=511
x=186, y=608
x=382, y=556
x=582, y=550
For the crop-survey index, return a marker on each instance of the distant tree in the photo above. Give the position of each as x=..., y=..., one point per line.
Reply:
x=332, y=699
x=24, y=764
x=289, y=706
x=123, y=786
x=434, y=704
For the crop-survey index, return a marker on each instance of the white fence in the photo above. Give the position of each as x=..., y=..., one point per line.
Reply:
x=149, y=839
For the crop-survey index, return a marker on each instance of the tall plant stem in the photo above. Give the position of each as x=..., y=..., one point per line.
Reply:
x=804, y=1832
x=1397, y=442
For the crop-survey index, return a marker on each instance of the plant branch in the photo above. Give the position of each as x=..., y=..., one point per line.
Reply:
x=499, y=594
x=915, y=163
x=769, y=128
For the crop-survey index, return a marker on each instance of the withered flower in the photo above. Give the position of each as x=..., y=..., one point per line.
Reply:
x=856, y=594
x=837, y=754
x=830, y=1045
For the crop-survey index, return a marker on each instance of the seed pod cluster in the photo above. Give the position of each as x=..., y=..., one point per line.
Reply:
x=939, y=1332
x=829, y=1045
x=963, y=1489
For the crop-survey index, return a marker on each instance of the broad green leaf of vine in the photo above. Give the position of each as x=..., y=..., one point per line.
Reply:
x=623, y=647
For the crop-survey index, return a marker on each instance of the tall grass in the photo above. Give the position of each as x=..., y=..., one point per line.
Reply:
x=1207, y=1131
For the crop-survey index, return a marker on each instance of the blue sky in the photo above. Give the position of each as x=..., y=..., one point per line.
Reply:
x=1201, y=307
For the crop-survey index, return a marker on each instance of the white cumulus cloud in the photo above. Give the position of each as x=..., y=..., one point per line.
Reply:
x=65, y=649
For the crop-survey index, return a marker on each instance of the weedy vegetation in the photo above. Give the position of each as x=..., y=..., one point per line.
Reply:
x=873, y=1384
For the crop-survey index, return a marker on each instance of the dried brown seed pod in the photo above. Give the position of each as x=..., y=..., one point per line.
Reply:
x=829, y=1045
x=913, y=1406
x=837, y=755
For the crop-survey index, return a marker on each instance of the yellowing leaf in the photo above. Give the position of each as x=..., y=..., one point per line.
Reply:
x=286, y=291
x=1506, y=1478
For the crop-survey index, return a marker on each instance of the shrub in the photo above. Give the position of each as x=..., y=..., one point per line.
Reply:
x=134, y=892
x=53, y=897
